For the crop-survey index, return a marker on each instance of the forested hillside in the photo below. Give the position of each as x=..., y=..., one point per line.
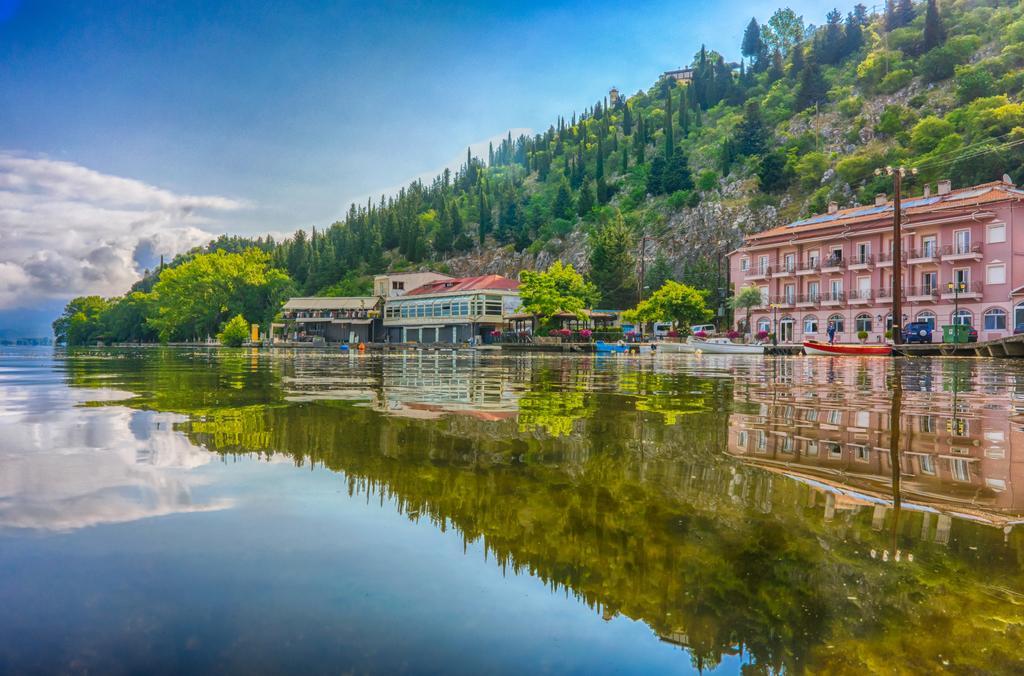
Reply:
x=802, y=119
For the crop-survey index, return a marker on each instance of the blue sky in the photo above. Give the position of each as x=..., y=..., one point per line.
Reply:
x=287, y=111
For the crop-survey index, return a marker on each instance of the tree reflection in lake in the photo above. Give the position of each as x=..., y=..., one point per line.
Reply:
x=730, y=504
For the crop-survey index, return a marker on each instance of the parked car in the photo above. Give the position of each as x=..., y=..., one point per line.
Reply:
x=917, y=332
x=972, y=334
x=702, y=328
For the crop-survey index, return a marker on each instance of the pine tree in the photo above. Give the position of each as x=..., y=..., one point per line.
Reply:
x=753, y=46
x=777, y=70
x=669, y=144
x=891, y=20
x=625, y=159
x=684, y=112
x=656, y=175
x=905, y=12
x=831, y=50
x=585, y=203
x=599, y=165
x=812, y=88
x=934, y=30
x=677, y=174
x=612, y=264
x=853, y=35
x=796, y=64
x=485, y=218
x=659, y=272
x=751, y=133
x=562, y=207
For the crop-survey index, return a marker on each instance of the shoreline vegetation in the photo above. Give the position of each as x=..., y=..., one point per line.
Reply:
x=802, y=120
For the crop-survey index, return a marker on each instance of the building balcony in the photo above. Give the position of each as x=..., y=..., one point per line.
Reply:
x=961, y=252
x=861, y=262
x=885, y=260
x=808, y=300
x=972, y=291
x=785, y=300
x=832, y=264
x=784, y=270
x=833, y=298
x=922, y=256
x=884, y=296
x=922, y=294
x=759, y=272
x=811, y=267
x=860, y=296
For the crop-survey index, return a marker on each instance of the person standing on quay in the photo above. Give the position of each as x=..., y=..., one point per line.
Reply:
x=831, y=333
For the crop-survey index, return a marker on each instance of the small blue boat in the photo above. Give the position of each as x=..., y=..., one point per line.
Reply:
x=602, y=346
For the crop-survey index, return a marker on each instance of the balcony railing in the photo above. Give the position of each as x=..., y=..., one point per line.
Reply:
x=928, y=253
x=759, y=271
x=886, y=258
x=962, y=249
x=922, y=292
x=809, y=266
x=808, y=299
x=833, y=262
x=784, y=270
x=860, y=295
x=970, y=289
x=830, y=297
x=866, y=259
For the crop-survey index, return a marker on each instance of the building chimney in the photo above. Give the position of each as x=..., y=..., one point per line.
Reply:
x=945, y=186
x=880, y=199
x=927, y=189
x=833, y=207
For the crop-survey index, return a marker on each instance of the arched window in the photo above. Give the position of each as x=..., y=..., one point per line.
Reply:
x=995, y=319
x=962, y=317
x=837, y=321
x=810, y=324
x=764, y=326
x=927, y=317
x=863, y=323
x=1018, y=315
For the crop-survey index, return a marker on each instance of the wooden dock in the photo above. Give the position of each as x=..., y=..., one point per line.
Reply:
x=1011, y=346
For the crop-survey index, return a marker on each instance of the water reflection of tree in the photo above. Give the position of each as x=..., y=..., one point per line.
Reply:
x=720, y=557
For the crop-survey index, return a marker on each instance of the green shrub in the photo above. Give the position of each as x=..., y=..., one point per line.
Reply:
x=234, y=332
x=927, y=133
x=894, y=120
x=1014, y=33
x=683, y=198
x=810, y=168
x=707, y=180
x=862, y=335
x=906, y=39
x=859, y=167
x=876, y=65
x=918, y=100
x=851, y=106
x=819, y=200
x=894, y=81
x=973, y=83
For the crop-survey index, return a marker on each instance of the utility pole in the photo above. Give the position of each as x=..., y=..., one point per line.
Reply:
x=643, y=269
x=897, y=174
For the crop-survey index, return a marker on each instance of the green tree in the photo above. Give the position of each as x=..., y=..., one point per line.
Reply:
x=785, y=29
x=659, y=272
x=753, y=47
x=194, y=299
x=677, y=174
x=751, y=135
x=656, y=176
x=813, y=89
x=934, y=30
x=562, y=206
x=669, y=143
x=679, y=303
x=585, y=203
x=234, y=332
x=747, y=298
x=612, y=263
x=772, y=172
x=81, y=323
x=558, y=289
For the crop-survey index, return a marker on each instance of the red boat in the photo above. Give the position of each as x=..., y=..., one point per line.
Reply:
x=846, y=349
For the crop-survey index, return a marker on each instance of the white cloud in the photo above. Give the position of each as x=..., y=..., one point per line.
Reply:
x=477, y=149
x=66, y=230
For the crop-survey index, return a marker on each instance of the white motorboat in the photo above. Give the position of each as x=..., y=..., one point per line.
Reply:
x=724, y=346
x=676, y=348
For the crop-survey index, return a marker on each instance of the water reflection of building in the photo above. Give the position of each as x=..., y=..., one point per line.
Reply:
x=959, y=451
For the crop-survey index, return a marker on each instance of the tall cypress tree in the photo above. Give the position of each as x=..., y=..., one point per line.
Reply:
x=753, y=46
x=934, y=30
x=812, y=88
x=796, y=64
x=627, y=120
x=669, y=144
x=853, y=35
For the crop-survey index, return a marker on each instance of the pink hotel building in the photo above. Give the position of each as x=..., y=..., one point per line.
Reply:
x=837, y=266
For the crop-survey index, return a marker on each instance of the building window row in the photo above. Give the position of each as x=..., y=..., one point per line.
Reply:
x=444, y=307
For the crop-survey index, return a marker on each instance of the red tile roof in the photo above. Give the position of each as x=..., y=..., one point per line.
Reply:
x=460, y=284
x=996, y=191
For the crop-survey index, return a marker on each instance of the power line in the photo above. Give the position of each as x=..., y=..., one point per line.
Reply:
x=972, y=155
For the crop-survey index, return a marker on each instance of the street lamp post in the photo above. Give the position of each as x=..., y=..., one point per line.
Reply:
x=775, y=323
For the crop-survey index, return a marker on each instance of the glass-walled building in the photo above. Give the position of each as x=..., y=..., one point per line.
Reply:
x=451, y=310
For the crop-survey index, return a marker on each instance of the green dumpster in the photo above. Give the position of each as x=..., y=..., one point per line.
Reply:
x=955, y=333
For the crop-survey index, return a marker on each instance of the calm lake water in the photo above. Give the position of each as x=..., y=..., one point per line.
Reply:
x=230, y=511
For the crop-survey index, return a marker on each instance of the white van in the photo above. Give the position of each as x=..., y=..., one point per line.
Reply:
x=703, y=328
x=661, y=329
